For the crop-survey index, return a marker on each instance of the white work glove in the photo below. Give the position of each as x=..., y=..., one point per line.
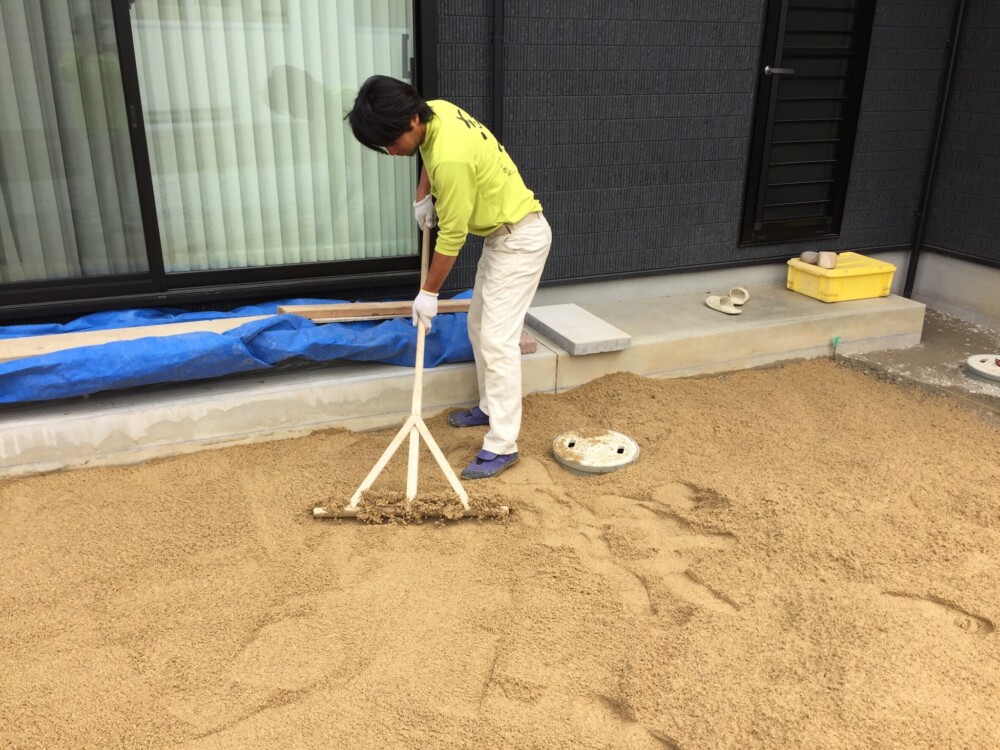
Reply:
x=425, y=307
x=424, y=213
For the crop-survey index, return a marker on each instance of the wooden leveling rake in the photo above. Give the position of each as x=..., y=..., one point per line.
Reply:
x=414, y=428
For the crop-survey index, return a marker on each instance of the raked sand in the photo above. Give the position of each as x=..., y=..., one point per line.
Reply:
x=802, y=557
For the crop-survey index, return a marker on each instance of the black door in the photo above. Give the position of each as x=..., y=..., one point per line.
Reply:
x=812, y=73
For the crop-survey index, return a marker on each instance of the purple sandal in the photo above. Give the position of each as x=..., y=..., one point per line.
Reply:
x=487, y=464
x=474, y=417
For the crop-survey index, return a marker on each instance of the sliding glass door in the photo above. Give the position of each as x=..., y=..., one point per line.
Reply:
x=252, y=162
x=161, y=147
x=69, y=205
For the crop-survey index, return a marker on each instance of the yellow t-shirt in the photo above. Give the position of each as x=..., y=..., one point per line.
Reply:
x=474, y=181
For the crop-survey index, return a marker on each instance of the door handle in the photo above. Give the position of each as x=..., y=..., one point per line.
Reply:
x=769, y=71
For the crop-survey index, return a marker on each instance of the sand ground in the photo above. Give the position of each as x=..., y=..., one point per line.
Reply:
x=803, y=556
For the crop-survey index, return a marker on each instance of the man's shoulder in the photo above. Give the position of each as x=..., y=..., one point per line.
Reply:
x=455, y=120
x=441, y=105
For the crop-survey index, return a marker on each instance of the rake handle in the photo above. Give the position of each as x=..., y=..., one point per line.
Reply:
x=413, y=459
x=418, y=362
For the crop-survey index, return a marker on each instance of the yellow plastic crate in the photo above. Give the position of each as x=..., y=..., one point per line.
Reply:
x=855, y=277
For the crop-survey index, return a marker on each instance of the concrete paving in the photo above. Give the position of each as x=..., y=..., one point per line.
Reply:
x=938, y=364
x=680, y=336
x=672, y=336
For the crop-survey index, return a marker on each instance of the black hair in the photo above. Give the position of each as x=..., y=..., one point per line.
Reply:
x=383, y=110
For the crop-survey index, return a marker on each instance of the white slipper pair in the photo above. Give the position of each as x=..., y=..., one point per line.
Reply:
x=825, y=259
x=730, y=304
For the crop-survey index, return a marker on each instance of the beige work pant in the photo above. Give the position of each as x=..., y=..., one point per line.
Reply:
x=506, y=280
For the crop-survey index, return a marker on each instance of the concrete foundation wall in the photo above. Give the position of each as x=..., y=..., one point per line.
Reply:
x=967, y=290
x=675, y=336
x=705, y=282
x=951, y=285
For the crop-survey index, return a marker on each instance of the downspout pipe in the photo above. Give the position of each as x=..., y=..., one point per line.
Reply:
x=498, y=15
x=921, y=213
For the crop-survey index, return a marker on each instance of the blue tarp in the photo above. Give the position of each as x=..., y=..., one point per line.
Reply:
x=257, y=345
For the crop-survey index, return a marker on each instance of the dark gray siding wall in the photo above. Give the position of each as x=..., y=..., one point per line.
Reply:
x=632, y=120
x=465, y=77
x=964, y=211
x=895, y=129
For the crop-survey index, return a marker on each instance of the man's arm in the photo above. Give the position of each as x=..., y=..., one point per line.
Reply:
x=456, y=190
x=423, y=206
x=439, y=269
x=424, y=185
x=425, y=305
x=440, y=265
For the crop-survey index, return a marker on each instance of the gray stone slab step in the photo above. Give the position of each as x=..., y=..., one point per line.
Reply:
x=576, y=330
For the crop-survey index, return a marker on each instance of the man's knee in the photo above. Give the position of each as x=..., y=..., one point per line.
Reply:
x=503, y=345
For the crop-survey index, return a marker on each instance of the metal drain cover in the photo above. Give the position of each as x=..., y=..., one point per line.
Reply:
x=594, y=452
x=984, y=365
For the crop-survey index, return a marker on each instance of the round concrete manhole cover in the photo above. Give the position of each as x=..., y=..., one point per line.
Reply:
x=984, y=365
x=594, y=452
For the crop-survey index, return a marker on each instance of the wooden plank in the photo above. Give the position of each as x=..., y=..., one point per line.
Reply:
x=31, y=346
x=367, y=310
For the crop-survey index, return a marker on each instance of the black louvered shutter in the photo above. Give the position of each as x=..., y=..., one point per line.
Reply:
x=811, y=78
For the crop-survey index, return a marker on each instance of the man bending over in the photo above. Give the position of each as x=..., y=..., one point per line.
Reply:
x=468, y=184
